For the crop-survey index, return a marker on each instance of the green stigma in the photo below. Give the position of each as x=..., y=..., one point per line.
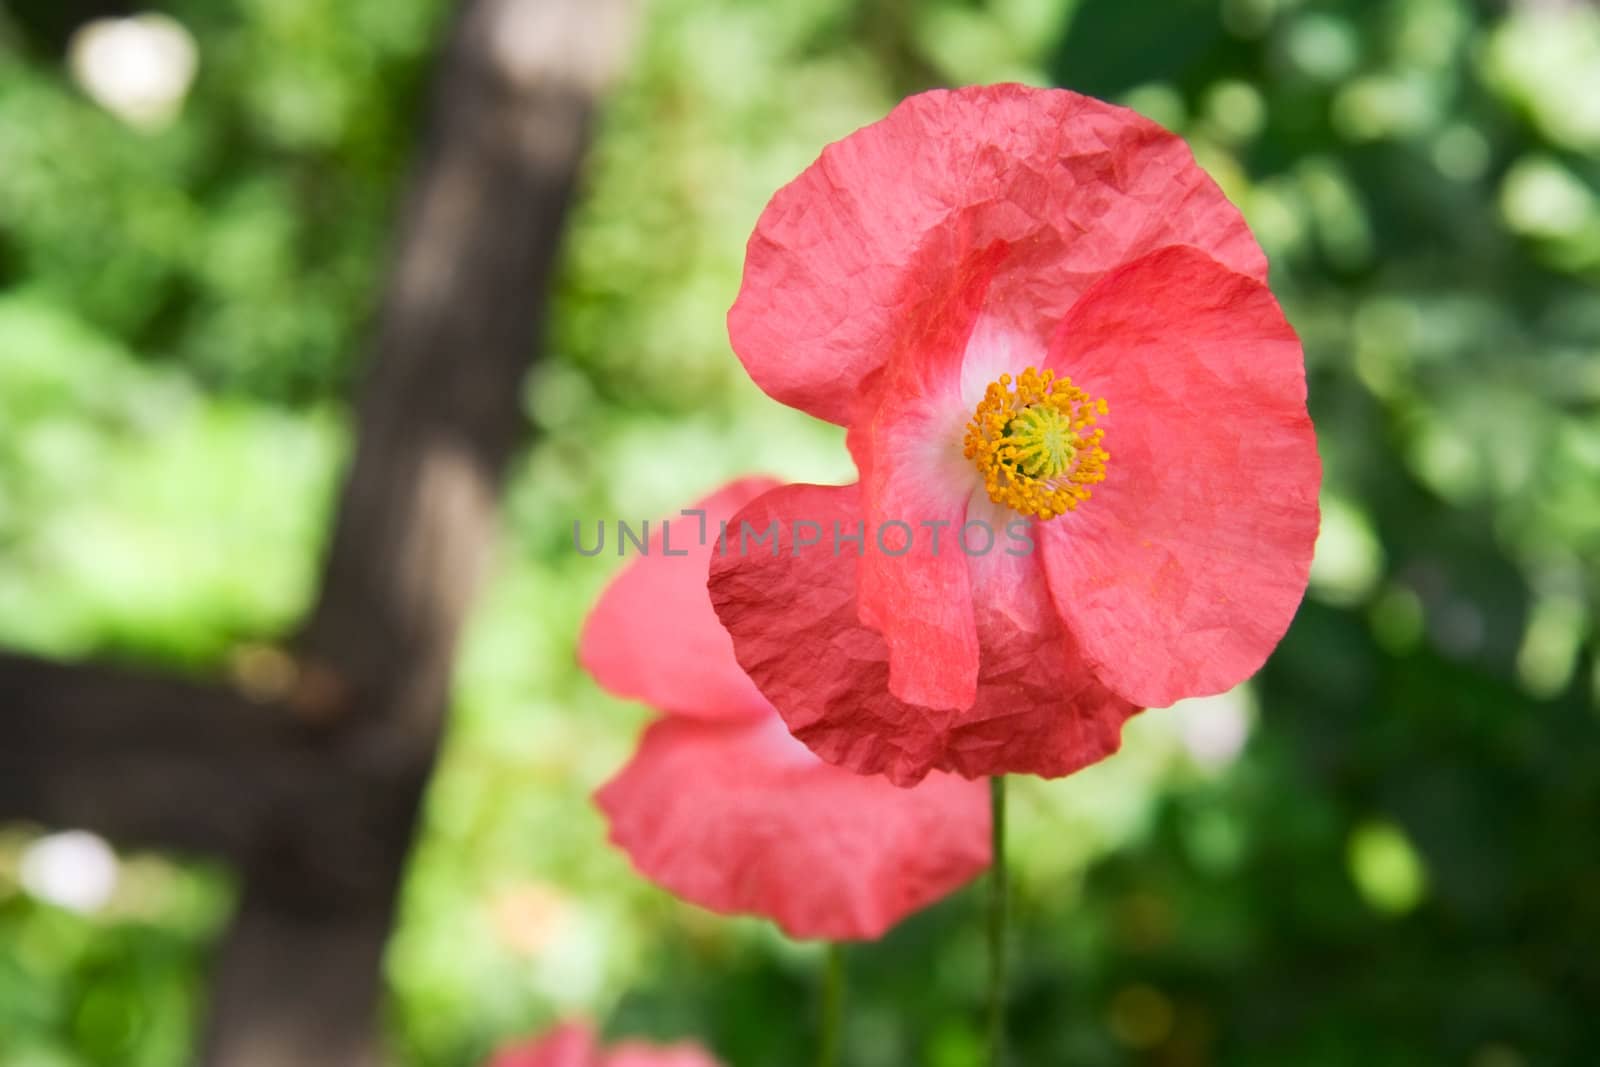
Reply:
x=1040, y=441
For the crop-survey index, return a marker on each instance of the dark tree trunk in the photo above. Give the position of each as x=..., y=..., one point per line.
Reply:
x=313, y=790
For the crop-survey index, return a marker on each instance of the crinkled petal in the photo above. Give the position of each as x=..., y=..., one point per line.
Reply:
x=914, y=586
x=653, y=637
x=1184, y=570
x=742, y=819
x=1075, y=186
x=796, y=629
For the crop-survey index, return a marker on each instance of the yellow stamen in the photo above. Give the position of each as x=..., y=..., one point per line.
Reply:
x=1036, y=445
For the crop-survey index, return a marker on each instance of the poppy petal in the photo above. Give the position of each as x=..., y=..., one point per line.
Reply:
x=1185, y=568
x=638, y=1054
x=742, y=819
x=653, y=637
x=568, y=1045
x=914, y=587
x=795, y=625
x=575, y=1045
x=1074, y=184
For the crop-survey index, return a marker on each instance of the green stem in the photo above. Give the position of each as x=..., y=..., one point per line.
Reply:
x=833, y=987
x=997, y=923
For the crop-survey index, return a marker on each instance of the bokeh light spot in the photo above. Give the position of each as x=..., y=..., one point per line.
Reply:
x=1386, y=869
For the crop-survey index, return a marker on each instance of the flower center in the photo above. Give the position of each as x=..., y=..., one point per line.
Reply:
x=1035, y=444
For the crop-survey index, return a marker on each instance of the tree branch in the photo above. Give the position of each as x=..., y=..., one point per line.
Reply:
x=127, y=754
x=440, y=418
x=313, y=791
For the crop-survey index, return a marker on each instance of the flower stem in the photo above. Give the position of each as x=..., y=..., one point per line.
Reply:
x=833, y=989
x=997, y=922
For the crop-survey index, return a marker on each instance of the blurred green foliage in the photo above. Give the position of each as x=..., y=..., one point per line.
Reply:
x=1398, y=866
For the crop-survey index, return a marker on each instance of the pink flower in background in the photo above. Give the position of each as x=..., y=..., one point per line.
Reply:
x=1043, y=325
x=575, y=1045
x=721, y=806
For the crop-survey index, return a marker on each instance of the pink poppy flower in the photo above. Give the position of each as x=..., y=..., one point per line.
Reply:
x=575, y=1045
x=720, y=805
x=1088, y=478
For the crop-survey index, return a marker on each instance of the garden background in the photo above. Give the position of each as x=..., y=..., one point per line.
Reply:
x=1383, y=850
